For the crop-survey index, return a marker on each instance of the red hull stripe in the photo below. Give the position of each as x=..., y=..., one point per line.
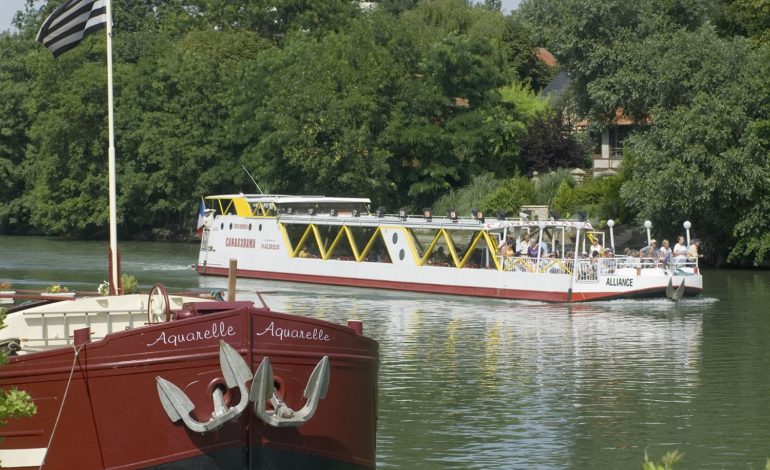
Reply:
x=513, y=294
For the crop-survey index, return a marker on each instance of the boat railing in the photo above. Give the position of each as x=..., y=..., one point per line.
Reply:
x=673, y=264
x=57, y=327
x=546, y=265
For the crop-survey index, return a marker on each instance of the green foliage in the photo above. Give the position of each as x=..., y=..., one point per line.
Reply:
x=565, y=201
x=468, y=197
x=510, y=196
x=666, y=462
x=749, y=18
x=13, y=403
x=595, y=40
x=550, y=144
x=705, y=159
x=401, y=103
x=130, y=284
x=548, y=185
x=528, y=105
x=56, y=289
x=597, y=197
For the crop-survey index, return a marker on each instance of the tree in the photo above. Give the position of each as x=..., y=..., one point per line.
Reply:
x=706, y=158
x=595, y=40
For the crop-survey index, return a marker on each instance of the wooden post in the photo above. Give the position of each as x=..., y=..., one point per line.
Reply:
x=231, y=279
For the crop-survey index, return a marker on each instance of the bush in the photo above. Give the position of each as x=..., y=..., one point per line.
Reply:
x=13, y=403
x=468, y=197
x=130, y=284
x=510, y=195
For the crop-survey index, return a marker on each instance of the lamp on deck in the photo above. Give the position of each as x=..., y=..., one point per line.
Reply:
x=427, y=213
x=402, y=214
x=452, y=214
x=610, y=224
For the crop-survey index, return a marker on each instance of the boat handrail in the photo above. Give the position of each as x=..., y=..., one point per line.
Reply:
x=83, y=312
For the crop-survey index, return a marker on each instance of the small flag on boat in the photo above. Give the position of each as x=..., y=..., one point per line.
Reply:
x=201, y=216
x=70, y=23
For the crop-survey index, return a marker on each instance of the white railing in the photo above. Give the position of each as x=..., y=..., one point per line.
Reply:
x=590, y=269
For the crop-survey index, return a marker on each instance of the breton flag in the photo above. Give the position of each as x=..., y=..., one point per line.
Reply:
x=201, y=216
x=70, y=23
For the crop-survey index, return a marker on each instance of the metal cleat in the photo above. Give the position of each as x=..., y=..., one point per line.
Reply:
x=178, y=406
x=282, y=415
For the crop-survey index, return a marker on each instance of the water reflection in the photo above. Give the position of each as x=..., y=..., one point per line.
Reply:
x=474, y=383
x=468, y=383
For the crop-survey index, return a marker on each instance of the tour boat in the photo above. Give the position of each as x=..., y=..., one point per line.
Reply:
x=342, y=241
x=169, y=381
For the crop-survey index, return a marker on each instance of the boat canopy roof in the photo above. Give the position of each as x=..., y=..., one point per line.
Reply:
x=280, y=199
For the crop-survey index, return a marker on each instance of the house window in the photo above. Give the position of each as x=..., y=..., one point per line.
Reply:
x=618, y=137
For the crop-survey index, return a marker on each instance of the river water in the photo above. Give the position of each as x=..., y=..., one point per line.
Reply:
x=488, y=384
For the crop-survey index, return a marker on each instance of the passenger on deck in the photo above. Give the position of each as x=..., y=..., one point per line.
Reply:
x=596, y=247
x=648, y=253
x=693, y=251
x=609, y=262
x=664, y=255
x=506, y=252
x=633, y=259
x=533, y=249
x=523, y=247
x=440, y=257
x=543, y=249
x=679, y=253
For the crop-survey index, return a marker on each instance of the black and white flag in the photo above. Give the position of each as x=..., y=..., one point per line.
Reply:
x=70, y=23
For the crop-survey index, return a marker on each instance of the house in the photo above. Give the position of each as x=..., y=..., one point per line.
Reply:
x=608, y=151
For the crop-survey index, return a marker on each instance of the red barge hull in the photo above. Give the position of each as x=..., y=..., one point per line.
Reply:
x=98, y=404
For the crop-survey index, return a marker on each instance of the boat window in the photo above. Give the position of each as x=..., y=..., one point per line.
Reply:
x=303, y=240
x=370, y=244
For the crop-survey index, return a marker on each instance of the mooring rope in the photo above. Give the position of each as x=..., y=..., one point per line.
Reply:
x=63, y=400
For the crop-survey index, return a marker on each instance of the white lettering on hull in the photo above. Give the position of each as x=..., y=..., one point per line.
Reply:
x=315, y=334
x=217, y=330
x=620, y=282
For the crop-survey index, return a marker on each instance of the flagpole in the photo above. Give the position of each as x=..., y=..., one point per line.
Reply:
x=114, y=281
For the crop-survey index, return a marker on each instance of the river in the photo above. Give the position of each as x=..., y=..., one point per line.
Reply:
x=489, y=384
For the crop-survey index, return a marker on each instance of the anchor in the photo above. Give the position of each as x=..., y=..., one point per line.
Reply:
x=282, y=415
x=674, y=294
x=178, y=406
